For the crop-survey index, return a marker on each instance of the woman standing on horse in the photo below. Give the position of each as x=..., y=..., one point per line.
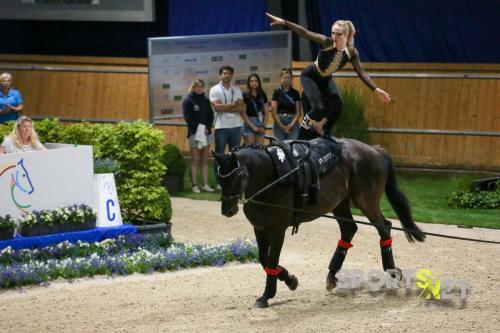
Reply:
x=317, y=80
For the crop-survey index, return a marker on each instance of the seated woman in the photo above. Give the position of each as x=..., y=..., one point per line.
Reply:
x=22, y=138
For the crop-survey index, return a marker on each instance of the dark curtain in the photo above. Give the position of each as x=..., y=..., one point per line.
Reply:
x=202, y=17
x=448, y=31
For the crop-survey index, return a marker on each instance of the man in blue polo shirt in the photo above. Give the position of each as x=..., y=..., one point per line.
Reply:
x=11, y=102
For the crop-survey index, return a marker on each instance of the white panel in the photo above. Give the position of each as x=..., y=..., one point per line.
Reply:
x=39, y=180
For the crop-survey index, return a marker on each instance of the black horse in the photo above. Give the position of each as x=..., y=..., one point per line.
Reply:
x=361, y=176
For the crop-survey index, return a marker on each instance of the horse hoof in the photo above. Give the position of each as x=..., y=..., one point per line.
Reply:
x=331, y=282
x=261, y=303
x=293, y=283
x=397, y=275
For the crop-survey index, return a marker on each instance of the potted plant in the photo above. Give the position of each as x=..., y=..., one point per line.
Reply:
x=105, y=165
x=172, y=157
x=63, y=219
x=7, y=226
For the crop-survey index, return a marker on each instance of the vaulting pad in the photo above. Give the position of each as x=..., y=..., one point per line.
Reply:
x=324, y=153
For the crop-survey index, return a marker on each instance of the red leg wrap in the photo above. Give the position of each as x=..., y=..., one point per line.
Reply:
x=344, y=244
x=273, y=271
x=386, y=243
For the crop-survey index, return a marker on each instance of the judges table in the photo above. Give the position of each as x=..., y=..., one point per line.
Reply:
x=45, y=180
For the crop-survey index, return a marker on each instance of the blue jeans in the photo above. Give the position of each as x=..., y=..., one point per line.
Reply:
x=226, y=136
x=280, y=134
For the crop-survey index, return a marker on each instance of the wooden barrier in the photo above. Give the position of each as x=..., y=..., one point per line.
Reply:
x=438, y=118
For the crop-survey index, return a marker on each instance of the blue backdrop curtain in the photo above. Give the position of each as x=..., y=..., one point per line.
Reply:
x=449, y=31
x=202, y=17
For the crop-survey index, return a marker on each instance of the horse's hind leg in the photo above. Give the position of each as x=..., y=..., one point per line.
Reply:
x=270, y=245
x=347, y=231
x=384, y=230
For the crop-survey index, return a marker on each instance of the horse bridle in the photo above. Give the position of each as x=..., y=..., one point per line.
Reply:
x=237, y=171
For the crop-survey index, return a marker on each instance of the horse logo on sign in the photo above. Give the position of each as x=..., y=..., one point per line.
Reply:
x=20, y=183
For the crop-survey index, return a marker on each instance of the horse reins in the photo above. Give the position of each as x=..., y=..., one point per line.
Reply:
x=236, y=171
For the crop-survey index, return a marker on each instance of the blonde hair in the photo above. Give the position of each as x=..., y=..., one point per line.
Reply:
x=16, y=136
x=196, y=83
x=5, y=75
x=349, y=30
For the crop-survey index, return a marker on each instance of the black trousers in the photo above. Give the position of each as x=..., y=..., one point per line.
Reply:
x=322, y=97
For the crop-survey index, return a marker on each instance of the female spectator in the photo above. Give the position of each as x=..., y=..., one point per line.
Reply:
x=286, y=108
x=199, y=116
x=317, y=80
x=11, y=102
x=257, y=107
x=22, y=138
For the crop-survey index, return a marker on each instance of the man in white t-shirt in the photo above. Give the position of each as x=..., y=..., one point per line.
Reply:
x=228, y=104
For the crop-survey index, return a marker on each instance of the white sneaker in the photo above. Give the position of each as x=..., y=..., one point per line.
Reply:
x=195, y=189
x=207, y=188
x=218, y=188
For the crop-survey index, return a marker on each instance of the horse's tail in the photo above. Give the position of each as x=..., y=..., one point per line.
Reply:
x=399, y=202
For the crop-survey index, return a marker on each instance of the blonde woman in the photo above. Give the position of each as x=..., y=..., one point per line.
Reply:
x=11, y=102
x=317, y=80
x=22, y=138
x=199, y=117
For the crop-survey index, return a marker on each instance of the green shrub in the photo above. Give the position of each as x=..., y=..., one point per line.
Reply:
x=7, y=222
x=475, y=199
x=49, y=130
x=105, y=165
x=5, y=129
x=352, y=123
x=134, y=149
x=172, y=157
x=78, y=134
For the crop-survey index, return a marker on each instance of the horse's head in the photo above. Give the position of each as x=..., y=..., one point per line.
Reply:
x=22, y=178
x=232, y=178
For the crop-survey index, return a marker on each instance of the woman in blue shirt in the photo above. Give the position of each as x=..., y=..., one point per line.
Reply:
x=11, y=102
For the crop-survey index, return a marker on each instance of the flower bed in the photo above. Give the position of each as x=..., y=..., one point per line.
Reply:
x=63, y=219
x=121, y=256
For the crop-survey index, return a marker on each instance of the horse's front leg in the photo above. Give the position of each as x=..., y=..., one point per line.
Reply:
x=269, y=260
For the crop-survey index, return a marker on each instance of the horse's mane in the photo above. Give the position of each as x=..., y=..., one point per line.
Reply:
x=261, y=147
x=249, y=146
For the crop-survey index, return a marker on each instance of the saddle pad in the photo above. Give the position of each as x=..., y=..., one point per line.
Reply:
x=282, y=161
x=324, y=154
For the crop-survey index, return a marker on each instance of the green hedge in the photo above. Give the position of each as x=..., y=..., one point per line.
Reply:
x=172, y=157
x=352, y=123
x=135, y=147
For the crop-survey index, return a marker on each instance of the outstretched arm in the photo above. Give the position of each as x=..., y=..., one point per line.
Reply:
x=363, y=75
x=300, y=30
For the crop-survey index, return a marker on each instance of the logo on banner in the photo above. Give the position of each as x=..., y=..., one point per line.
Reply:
x=20, y=184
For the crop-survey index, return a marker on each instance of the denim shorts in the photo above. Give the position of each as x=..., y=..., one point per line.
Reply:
x=247, y=130
x=194, y=144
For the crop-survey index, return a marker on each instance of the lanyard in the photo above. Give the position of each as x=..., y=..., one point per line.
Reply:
x=224, y=93
x=287, y=96
x=261, y=101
